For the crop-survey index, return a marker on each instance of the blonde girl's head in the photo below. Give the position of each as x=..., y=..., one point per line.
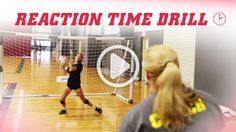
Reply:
x=163, y=73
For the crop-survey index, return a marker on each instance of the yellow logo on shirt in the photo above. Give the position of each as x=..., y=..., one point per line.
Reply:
x=198, y=107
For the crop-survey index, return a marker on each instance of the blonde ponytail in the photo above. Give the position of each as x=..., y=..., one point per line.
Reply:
x=171, y=102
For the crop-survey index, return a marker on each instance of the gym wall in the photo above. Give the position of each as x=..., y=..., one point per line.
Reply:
x=215, y=69
x=182, y=39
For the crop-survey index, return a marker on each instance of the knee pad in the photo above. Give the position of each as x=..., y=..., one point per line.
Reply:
x=62, y=102
x=86, y=101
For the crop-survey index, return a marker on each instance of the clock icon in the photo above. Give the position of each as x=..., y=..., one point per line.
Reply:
x=219, y=18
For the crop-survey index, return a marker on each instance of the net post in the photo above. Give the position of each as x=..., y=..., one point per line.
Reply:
x=70, y=45
x=80, y=46
x=145, y=45
x=1, y=69
x=130, y=101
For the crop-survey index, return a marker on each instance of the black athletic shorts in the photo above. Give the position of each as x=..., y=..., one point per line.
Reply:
x=73, y=86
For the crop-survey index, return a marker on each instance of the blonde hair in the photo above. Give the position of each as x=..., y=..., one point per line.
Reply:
x=172, y=101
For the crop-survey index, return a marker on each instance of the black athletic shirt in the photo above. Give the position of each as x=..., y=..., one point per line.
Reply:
x=206, y=119
x=74, y=77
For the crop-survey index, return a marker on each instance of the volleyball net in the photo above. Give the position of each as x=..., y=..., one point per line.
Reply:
x=32, y=65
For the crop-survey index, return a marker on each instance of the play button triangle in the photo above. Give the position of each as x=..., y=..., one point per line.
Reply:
x=117, y=66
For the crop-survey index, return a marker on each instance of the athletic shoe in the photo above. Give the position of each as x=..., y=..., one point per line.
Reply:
x=99, y=110
x=62, y=112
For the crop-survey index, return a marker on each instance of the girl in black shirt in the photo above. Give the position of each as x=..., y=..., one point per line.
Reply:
x=73, y=83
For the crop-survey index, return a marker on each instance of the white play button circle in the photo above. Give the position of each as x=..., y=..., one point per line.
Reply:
x=118, y=66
